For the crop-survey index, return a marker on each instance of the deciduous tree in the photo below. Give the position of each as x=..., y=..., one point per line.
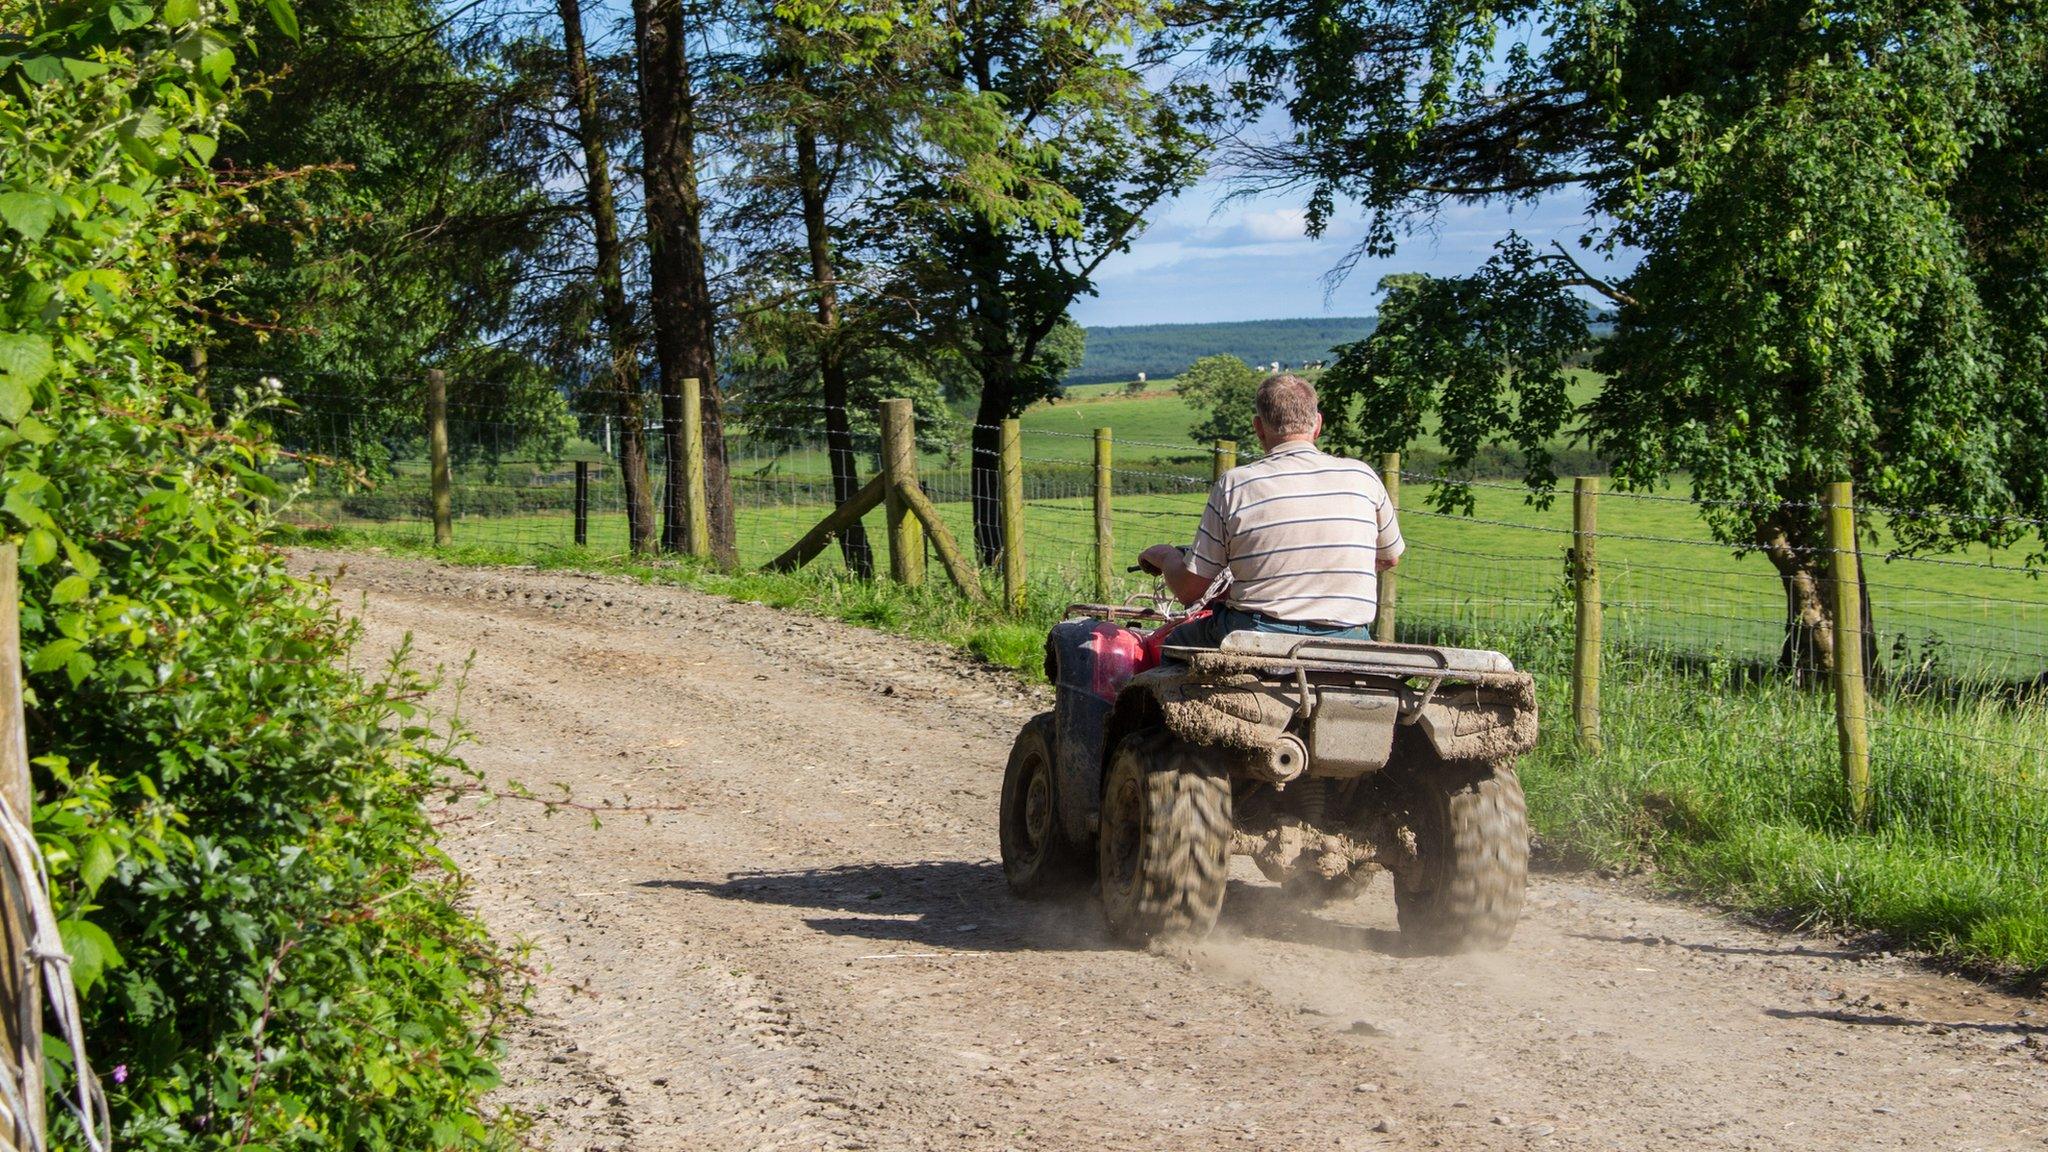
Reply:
x=1838, y=217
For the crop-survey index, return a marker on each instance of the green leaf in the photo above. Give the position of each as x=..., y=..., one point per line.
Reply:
x=129, y=14
x=26, y=358
x=85, y=562
x=92, y=952
x=84, y=69
x=29, y=213
x=14, y=399
x=180, y=12
x=54, y=655
x=38, y=547
x=70, y=589
x=287, y=20
x=98, y=863
x=202, y=146
x=43, y=69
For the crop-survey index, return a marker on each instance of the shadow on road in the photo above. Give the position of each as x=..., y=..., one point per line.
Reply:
x=1790, y=950
x=949, y=904
x=964, y=906
x=1894, y=1020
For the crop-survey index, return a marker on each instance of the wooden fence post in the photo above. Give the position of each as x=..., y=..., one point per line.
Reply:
x=1383, y=613
x=1852, y=720
x=1586, y=580
x=582, y=503
x=21, y=1000
x=1225, y=459
x=437, y=456
x=1013, y=515
x=1105, y=545
x=697, y=518
x=899, y=468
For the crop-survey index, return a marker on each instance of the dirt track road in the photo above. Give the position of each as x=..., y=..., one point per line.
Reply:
x=819, y=951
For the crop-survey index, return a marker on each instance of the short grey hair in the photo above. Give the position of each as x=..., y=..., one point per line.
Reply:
x=1287, y=405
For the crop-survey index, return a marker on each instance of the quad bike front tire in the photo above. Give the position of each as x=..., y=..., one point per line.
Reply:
x=1164, y=849
x=1472, y=848
x=1038, y=860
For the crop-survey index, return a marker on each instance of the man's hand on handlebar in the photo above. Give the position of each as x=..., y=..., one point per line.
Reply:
x=1167, y=562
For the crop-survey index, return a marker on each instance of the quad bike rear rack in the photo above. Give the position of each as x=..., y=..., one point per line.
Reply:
x=1282, y=655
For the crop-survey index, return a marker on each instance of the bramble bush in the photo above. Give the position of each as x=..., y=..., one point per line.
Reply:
x=266, y=937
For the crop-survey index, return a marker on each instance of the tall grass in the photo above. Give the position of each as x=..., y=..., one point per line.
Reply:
x=1714, y=779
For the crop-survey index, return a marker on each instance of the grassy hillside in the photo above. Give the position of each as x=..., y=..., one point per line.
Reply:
x=1166, y=349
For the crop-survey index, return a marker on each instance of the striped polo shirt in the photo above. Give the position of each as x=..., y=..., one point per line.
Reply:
x=1302, y=531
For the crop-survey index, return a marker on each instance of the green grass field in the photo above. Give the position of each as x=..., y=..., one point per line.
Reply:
x=1723, y=781
x=1664, y=583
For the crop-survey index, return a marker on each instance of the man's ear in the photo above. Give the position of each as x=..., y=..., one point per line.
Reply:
x=1319, y=427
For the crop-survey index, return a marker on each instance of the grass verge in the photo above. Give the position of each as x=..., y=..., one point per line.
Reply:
x=1712, y=781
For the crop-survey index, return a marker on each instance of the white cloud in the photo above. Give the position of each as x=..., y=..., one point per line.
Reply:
x=1206, y=258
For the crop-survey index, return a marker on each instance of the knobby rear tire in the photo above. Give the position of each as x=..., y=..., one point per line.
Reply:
x=1038, y=860
x=1472, y=840
x=1164, y=849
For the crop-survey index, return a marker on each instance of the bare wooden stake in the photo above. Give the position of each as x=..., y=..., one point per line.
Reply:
x=697, y=521
x=1852, y=719
x=842, y=518
x=965, y=576
x=1105, y=545
x=1383, y=613
x=1225, y=459
x=1012, y=463
x=21, y=1000
x=437, y=456
x=1586, y=579
x=899, y=466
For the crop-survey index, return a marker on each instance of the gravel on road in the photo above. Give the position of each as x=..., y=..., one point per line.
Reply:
x=816, y=949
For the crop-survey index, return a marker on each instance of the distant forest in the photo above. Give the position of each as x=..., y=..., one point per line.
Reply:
x=1162, y=350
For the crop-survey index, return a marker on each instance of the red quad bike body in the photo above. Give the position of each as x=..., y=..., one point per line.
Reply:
x=1323, y=760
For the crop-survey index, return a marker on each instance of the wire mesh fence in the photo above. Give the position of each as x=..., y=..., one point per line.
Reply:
x=1667, y=586
x=1695, y=629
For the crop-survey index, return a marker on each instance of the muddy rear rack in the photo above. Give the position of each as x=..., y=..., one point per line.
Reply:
x=1282, y=653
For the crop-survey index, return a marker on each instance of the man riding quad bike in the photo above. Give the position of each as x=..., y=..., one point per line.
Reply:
x=1271, y=726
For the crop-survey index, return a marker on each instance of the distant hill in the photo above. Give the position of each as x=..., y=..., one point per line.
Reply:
x=1162, y=350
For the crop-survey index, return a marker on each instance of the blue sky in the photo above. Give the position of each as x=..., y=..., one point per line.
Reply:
x=1207, y=259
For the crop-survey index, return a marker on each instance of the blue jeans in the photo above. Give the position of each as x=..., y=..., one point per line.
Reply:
x=1210, y=630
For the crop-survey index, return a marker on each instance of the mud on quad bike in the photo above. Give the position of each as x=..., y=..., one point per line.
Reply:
x=1324, y=760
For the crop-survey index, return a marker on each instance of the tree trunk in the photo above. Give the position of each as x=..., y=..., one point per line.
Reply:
x=996, y=364
x=680, y=296
x=1797, y=548
x=853, y=543
x=616, y=310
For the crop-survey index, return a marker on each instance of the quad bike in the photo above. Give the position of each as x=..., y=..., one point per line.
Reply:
x=1324, y=760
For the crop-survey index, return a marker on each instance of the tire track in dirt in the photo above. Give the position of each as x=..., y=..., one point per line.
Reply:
x=819, y=951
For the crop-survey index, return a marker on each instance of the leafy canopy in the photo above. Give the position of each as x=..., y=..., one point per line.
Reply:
x=1837, y=209
x=264, y=934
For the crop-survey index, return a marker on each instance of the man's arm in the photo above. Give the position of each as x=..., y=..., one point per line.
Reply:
x=1188, y=574
x=1186, y=585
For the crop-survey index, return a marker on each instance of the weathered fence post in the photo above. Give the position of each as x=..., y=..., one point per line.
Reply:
x=1225, y=459
x=1383, y=613
x=899, y=468
x=697, y=518
x=437, y=457
x=1586, y=581
x=21, y=1001
x=1105, y=545
x=582, y=502
x=1013, y=515
x=1852, y=724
